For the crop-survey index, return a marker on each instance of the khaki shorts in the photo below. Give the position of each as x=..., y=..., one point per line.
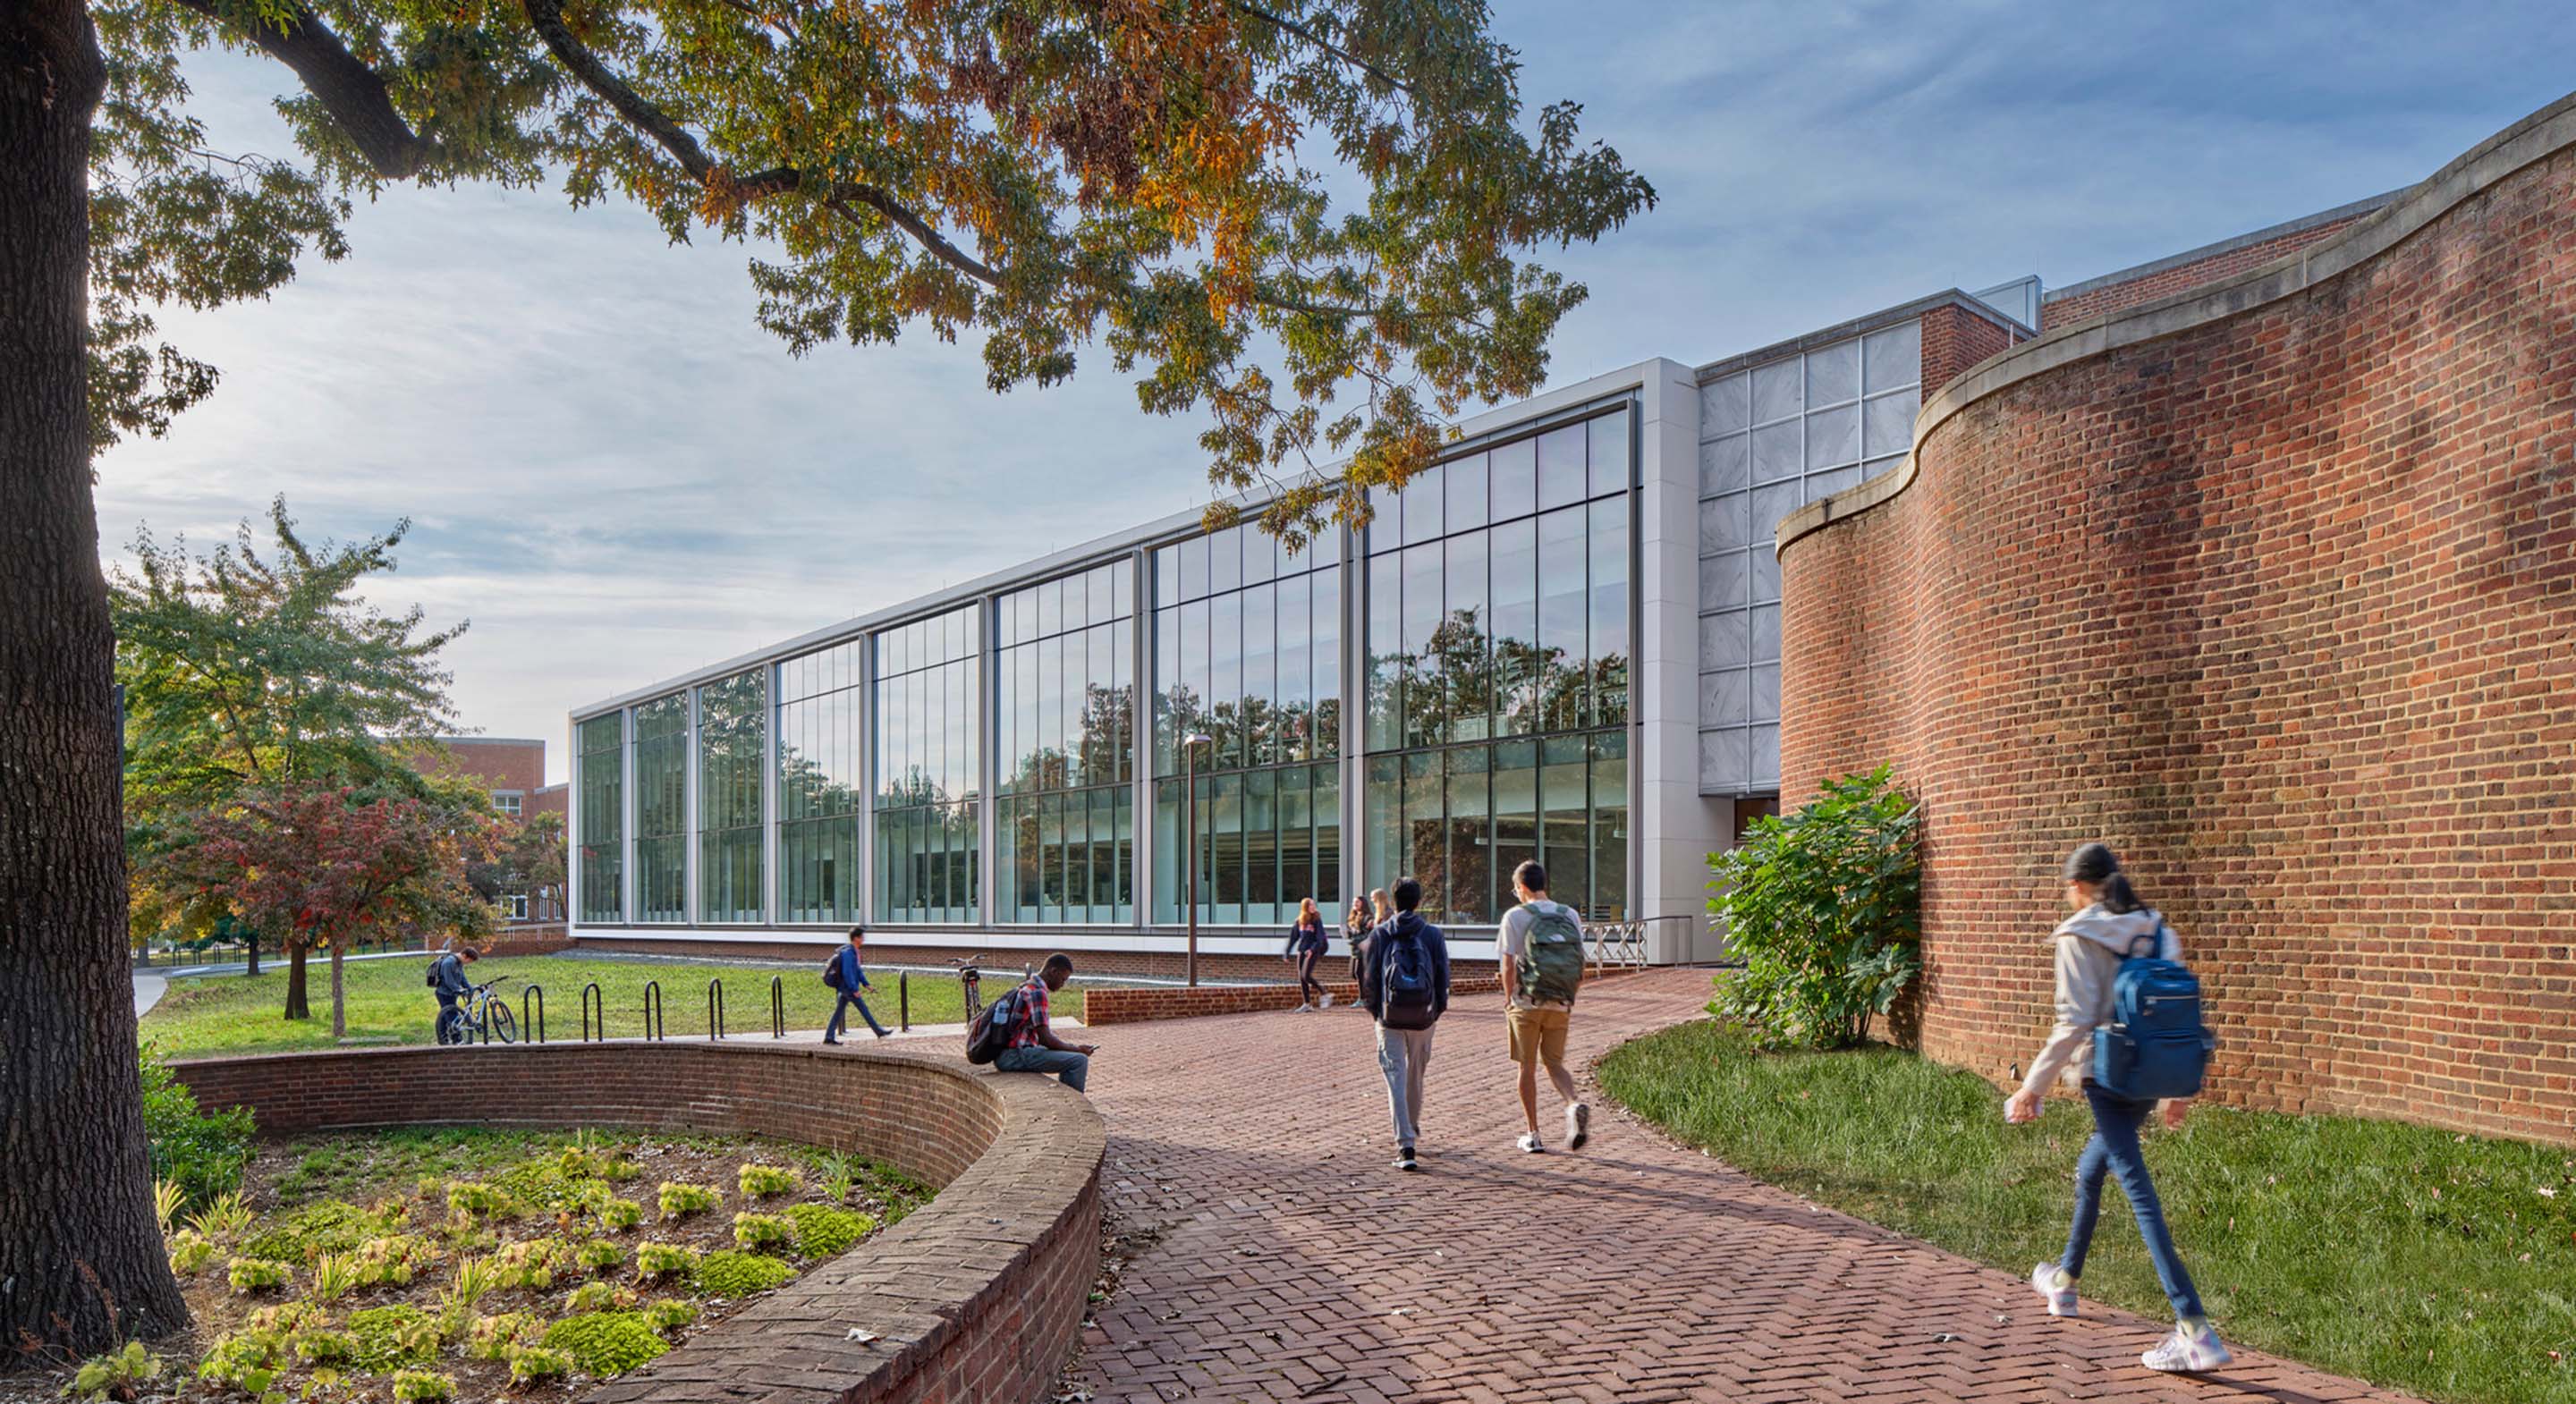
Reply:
x=1537, y=1034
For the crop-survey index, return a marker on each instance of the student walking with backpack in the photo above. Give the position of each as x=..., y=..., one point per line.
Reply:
x=1306, y=943
x=1540, y=952
x=1406, y=987
x=845, y=973
x=2128, y=1034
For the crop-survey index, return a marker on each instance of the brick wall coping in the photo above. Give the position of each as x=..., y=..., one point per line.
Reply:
x=1137, y=1004
x=2534, y=138
x=975, y=1297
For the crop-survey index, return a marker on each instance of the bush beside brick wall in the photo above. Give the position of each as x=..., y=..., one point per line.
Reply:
x=2274, y=590
x=974, y=1299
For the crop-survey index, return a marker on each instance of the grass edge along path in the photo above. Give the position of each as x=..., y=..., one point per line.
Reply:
x=2408, y=1256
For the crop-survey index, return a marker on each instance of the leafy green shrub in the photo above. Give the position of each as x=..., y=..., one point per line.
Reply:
x=599, y=1255
x=395, y=1259
x=287, y=1318
x=115, y=1375
x=202, y=1153
x=390, y=1336
x=422, y=1387
x=1824, y=907
x=429, y=1186
x=826, y=1232
x=619, y=1215
x=256, y=1274
x=727, y=1273
x=763, y=1181
x=480, y=1201
x=530, y=1262
x=752, y=1231
x=679, y=1199
x=620, y=1171
x=326, y=1226
x=597, y=1296
x=529, y=1364
x=605, y=1343
x=322, y=1346
x=664, y=1260
x=189, y=1252
x=494, y=1337
x=245, y=1360
x=670, y=1314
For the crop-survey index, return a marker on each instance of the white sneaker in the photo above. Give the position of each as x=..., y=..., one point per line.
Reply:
x=1305, y=1009
x=1328, y=1002
x=1578, y=1126
x=2187, y=1351
x=1529, y=1142
x=2055, y=1288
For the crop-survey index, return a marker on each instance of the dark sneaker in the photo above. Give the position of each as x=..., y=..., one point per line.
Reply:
x=1578, y=1126
x=1404, y=1159
x=832, y=1042
x=885, y=1033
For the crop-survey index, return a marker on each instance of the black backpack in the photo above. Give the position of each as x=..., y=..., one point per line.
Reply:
x=832, y=970
x=431, y=979
x=1408, y=992
x=990, y=1033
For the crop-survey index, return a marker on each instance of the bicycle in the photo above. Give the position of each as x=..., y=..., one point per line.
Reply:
x=481, y=1009
x=969, y=979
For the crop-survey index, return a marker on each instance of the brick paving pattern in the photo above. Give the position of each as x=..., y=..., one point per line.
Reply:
x=1287, y=1261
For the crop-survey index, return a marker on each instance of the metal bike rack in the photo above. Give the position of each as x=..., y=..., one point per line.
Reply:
x=536, y=1027
x=652, y=1009
x=903, y=1000
x=715, y=1009
x=778, y=1006
x=590, y=995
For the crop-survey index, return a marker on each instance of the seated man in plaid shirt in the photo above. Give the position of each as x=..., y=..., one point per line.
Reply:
x=1034, y=1047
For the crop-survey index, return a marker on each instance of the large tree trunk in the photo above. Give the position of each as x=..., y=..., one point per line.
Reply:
x=339, y=998
x=81, y=1259
x=296, y=1007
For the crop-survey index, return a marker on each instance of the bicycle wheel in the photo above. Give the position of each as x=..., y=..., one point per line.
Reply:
x=505, y=1029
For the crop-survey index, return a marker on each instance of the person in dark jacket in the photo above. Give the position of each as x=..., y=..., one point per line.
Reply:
x=1403, y=1049
x=447, y=976
x=1356, y=925
x=854, y=978
x=1306, y=943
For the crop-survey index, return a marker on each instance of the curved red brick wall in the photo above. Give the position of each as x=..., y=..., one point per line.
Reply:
x=976, y=1297
x=2272, y=586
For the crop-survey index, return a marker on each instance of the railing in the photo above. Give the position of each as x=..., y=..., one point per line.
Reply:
x=903, y=1000
x=1623, y=942
x=590, y=994
x=652, y=1010
x=715, y=1010
x=777, y=1006
x=536, y=1027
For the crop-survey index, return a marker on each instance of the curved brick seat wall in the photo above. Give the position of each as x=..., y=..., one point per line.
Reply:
x=974, y=1299
x=2272, y=586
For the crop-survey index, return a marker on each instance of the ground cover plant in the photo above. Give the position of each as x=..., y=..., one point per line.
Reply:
x=214, y=1015
x=455, y=1263
x=2408, y=1256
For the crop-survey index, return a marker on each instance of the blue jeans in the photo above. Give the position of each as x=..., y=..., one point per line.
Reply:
x=841, y=1011
x=1072, y=1067
x=2114, y=1149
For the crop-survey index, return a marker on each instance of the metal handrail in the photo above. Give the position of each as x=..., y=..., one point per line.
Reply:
x=778, y=1006
x=903, y=1000
x=537, y=1026
x=652, y=1009
x=715, y=1010
x=590, y=994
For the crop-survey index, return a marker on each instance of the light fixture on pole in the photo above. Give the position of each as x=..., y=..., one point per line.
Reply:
x=1190, y=836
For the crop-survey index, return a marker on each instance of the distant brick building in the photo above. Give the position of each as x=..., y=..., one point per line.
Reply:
x=513, y=770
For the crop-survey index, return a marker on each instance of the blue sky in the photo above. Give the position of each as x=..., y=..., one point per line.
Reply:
x=617, y=476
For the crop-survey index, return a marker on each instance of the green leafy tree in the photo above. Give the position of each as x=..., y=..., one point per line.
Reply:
x=246, y=670
x=1153, y=177
x=1824, y=906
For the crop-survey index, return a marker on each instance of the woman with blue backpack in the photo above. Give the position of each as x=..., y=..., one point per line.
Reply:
x=2128, y=1034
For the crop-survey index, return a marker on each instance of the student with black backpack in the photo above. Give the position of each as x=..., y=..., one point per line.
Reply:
x=2125, y=1054
x=1540, y=952
x=1406, y=987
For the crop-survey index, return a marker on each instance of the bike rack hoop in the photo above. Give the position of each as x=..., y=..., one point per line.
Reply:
x=716, y=1009
x=778, y=1006
x=589, y=995
x=652, y=1009
x=536, y=1027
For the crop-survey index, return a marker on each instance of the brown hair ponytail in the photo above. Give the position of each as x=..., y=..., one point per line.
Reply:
x=2096, y=864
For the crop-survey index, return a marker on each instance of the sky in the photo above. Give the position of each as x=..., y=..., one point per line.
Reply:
x=616, y=476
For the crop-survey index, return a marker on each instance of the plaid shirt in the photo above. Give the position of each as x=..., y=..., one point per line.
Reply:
x=1033, y=1015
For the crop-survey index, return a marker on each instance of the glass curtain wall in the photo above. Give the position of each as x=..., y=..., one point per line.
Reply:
x=820, y=783
x=1498, y=666
x=732, y=747
x=1065, y=832
x=662, y=809
x=603, y=818
x=927, y=770
x=1247, y=650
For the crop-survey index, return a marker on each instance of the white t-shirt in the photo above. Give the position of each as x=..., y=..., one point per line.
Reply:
x=1513, y=940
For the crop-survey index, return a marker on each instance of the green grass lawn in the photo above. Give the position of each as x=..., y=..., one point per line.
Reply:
x=218, y=1014
x=2414, y=1258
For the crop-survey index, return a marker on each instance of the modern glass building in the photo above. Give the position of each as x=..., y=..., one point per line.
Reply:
x=1561, y=642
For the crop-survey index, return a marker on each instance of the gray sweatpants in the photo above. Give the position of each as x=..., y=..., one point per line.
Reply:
x=1402, y=1054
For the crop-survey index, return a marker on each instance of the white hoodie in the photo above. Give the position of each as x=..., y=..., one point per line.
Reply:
x=2090, y=946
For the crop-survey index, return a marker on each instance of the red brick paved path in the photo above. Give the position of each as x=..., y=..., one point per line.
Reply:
x=1293, y=1264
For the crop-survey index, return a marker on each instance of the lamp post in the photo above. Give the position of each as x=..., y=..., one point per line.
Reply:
x=1190, y=836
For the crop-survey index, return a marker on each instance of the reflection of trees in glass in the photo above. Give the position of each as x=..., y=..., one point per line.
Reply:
x=1099, y=754
x=1464, y=686
x=806, y=789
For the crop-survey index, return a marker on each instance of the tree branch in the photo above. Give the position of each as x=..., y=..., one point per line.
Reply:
x=347, y=88
x=839, y=196
x=1327, y=45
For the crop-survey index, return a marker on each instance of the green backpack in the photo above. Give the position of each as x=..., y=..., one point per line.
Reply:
x=1550, y=966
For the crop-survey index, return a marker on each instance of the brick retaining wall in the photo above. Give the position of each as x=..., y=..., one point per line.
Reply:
x=974, y=1299
x=2272, y=587
x=888, y=946
x=1136, y=1005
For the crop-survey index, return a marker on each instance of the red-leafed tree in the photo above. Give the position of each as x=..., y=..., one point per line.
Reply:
x=327, y=868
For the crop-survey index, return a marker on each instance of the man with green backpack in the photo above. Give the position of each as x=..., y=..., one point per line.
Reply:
x=1541, y=954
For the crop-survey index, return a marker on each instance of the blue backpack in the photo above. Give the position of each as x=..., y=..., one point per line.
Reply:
x=2155, y=1045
